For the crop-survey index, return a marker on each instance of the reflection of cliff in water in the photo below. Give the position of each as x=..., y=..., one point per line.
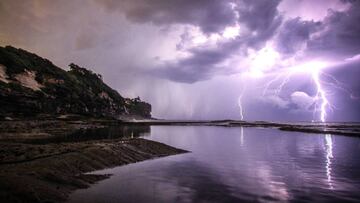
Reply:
x=113, y=132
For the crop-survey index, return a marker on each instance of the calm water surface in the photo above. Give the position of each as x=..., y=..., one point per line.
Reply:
x=237, y=165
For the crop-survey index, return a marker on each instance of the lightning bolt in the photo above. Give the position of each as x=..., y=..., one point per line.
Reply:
x=321, y=101
x=321, y=80
x=324, y=104
x=241, y=109
x=283, y=82
x=320, y=95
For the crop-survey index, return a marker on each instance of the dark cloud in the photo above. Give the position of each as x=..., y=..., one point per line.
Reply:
x=341, y=34
x=210, y=15
x=261, y=17
x=43, y=19
x=293, y=34
x=204, y=63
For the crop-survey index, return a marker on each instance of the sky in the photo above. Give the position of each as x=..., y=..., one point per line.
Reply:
x=275, y=60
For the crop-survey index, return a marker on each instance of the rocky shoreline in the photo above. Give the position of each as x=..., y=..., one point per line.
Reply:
x=38, y=165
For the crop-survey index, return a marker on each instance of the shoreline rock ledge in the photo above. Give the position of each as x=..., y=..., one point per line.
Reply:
x=50, y=172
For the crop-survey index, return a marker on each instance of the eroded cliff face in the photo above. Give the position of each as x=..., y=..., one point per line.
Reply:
x=31, y=85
